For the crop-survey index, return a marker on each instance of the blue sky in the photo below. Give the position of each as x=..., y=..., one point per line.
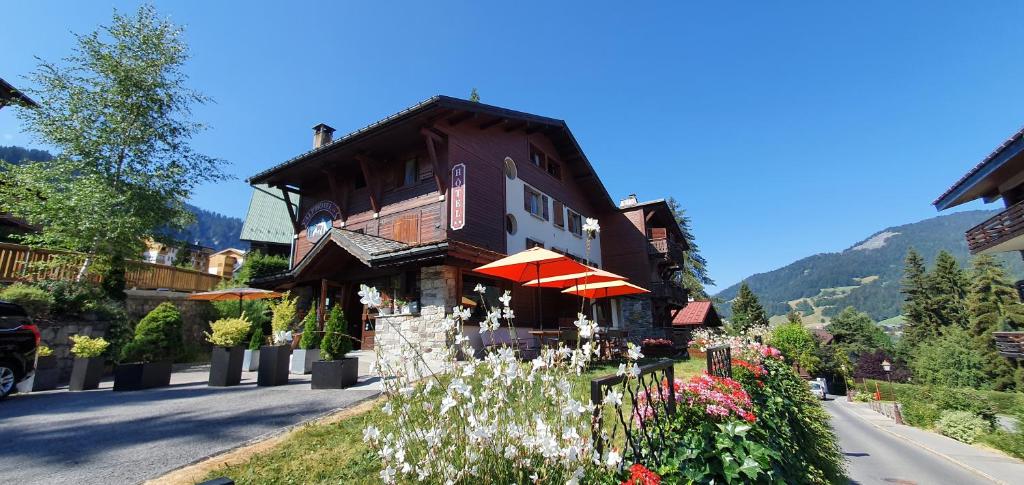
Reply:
x=785, y=128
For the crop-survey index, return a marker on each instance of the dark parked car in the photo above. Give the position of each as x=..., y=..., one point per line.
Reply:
x=19, y=338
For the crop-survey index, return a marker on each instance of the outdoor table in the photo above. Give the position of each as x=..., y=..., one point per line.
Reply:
x=546, y=336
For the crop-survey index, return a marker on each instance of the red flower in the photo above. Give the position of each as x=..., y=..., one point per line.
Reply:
x=640, y=475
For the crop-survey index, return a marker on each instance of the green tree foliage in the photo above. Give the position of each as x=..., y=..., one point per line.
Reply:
x=117, y=109
x=948, y=286
x=797, y=344
x=310, y=333
x=157, y=336
x=259, y=265
x=948, y=360
x=993, y=305
x=258, y=338
x=694, y=275
x=746, y=311
x=284, y=312
x=474, y=96
x=805, y=308
x=36, y=301
x=336, y=342
x=856, y=334
x=920, y=323
x=794, y=317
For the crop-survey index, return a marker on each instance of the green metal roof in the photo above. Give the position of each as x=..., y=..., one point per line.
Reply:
x=267, y=220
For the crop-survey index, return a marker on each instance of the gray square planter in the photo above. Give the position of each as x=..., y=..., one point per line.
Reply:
x=251, y=360
x=274, y=360
x=302, y=360
x=225, y=366
x=86, y=373
x=142, y=375
x=47, y=374
x=335, y=374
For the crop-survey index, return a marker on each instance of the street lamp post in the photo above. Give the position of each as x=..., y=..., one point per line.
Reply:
x=887, y=367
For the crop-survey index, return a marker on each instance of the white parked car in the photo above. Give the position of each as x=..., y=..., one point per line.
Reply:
x=817, y=389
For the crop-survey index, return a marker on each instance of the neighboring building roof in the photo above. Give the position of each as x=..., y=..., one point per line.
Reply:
x=697, y=313
x=267, y=219
x=232, y=250
x=437, y=104
x=983, y=179
x=823, y=336
x=8, y=93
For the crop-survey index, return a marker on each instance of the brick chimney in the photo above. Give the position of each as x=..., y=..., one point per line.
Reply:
x=322, y=135
x=629, y=201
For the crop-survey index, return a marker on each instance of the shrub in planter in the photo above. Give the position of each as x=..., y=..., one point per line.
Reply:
x=309, y=345
x=251, y=357
x=47, y=372
x=961, y=425
x=146, y=360
x=274, y=359
x=226, y=359
x=35, y=301
x=88, y=366
x=336, y=371
x=658, y=347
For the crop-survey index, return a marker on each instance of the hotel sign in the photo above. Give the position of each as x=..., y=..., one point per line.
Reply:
x=458, y=196
x=319, y=219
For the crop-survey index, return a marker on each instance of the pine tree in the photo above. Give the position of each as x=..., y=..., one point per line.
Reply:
x=920, y=324
x=474, y=96
x=694, y=275
x=993, y=305
x=747, y=311
x=948, y=286
x=794, y=317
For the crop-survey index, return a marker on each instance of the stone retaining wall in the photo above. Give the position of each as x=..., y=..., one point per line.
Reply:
x=437, y=295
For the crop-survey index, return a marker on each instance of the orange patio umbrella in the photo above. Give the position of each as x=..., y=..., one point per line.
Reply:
x=239, y=294
x=533, y=264
x=605, y=289
x=592, y=275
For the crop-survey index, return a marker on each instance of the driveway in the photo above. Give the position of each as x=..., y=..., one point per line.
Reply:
x=103, y=437
x=875, y=456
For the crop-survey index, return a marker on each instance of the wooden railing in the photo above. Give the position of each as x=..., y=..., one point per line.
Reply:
x=1002, y=227
x=666, y=248
x=22, y=263
x=669, y=290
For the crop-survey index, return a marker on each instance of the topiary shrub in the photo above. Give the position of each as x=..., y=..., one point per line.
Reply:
x=228, y=332
x=285, y=312
x=961, y=425
x=85, y=347
x=336, y=342
x=310, y=335
x=258, y=337
x=157, y=336
x=35, y=301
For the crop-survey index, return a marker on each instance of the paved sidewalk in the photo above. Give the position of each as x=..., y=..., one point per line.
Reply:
x=992, y=465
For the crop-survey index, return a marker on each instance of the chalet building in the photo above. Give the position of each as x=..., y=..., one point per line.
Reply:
x=225, y=262
x=412, y=203
x=267, y=227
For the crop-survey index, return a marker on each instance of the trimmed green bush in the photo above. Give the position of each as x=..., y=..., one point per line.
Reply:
x=35, y=301
x=285, y=312
x=961, y=425
x=157, y=336
x=258, y=338
x=84, y=346
x=228, y=332
x=310, y=336
x=336, y=342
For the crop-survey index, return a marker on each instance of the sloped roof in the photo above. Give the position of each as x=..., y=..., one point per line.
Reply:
x=8, y=92
x=984, y=178
x=697, y=313
x=267, y=219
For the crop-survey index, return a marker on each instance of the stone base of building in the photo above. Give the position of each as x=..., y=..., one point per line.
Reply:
x=638, y=319
x=423, y=330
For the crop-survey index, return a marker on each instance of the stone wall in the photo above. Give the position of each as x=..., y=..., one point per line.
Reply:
x=56, y=334
x=437, y=295
x=638, y=319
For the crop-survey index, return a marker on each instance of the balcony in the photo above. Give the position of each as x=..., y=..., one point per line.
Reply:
x=663, y=248
x=668, y=291
x=1003, y=232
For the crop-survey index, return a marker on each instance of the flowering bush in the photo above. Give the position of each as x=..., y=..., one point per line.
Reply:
x=720, y=398
x=961, y=425
x=705, y=338
x=640, y=475
x=657, y=342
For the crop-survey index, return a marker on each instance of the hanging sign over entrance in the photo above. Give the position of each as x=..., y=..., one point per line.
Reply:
x=319, y=219
x=458, y=193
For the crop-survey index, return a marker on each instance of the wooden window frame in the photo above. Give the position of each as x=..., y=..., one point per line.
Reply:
x=543, y=157
x=542, y=200
x=559, y=213
x=403, y=180
x=578, y=218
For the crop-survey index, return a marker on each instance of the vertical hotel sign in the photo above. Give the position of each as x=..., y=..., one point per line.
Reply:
x=458, y=194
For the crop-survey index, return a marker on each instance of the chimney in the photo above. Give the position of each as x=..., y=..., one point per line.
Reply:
x=629, y=201
x=322, y=135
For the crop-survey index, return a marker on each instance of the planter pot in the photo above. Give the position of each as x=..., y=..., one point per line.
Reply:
x=274, y=360
x=143, y=375
x=335, y=374
x=47, y=374
x=86, y=374
x=251, y=360
x=302, y=360
x=658, y=351
x=226, y=366
x=696, y=353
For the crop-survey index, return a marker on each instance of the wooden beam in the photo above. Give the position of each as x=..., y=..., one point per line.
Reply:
x=514, y=127
x=459, y=118
x=292, y=210
x=340, y=194
x=487, y=124
x=372, y=181
x=439, y=173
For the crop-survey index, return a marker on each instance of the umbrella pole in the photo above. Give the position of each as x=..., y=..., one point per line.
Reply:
x=540, y=308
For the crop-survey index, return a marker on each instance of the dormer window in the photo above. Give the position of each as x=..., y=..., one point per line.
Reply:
x=537, y=157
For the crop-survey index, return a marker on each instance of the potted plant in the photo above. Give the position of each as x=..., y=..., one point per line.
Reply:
x=47, y=372
x=251, y=357
x=274, y=359
x=385, y=306
x=336, y=371
x=309, y=346
x=88, y=367
x=226, y=359
x=401, y=306
x=658, y=347
x=146, y=360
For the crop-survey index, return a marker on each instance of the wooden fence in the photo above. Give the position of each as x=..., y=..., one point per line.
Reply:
x=22, y=263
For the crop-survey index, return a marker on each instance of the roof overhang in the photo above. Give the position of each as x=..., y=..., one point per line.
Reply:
x=9, y=95
x=1001, y=170
x=662, y=210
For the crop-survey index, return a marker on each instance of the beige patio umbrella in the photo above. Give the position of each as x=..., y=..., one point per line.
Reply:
x=235, y=294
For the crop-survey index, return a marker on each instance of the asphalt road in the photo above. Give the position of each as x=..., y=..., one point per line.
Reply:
x=875, y=456
x=103, y=437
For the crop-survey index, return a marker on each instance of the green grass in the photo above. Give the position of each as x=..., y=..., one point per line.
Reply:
x=335, y=452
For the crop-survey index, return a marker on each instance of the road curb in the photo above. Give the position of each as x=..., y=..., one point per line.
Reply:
x=930, y=450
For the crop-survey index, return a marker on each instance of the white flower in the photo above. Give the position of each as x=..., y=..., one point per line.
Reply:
x=634, y=371
x=369, y=296
x=591, y=227
x=281, y=337
x=387, y=475
x=491, y=323
x=613, y=397
x=448, y=324
x=505, y=298
x=633, y=352
x=622, y=370
x=462, y=313
x=371, y=433
x=459, y=339
x=586, y=328
x=479, y=288
x=447, y=403
x=613, y=459
x=507, y=313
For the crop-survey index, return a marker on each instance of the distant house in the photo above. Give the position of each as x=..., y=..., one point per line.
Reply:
x=823, y=336
x=697, y=314
x=225, y=262
x=9, y=95
x=191, y=256
x=268, y=226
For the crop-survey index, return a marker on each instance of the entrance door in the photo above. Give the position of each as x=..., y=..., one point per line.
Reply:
x=345, y=294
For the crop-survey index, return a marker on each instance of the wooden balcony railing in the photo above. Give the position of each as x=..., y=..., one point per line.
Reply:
x=22, y=263
x=667, y=249
x=1002, y=227
x=668, y=290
